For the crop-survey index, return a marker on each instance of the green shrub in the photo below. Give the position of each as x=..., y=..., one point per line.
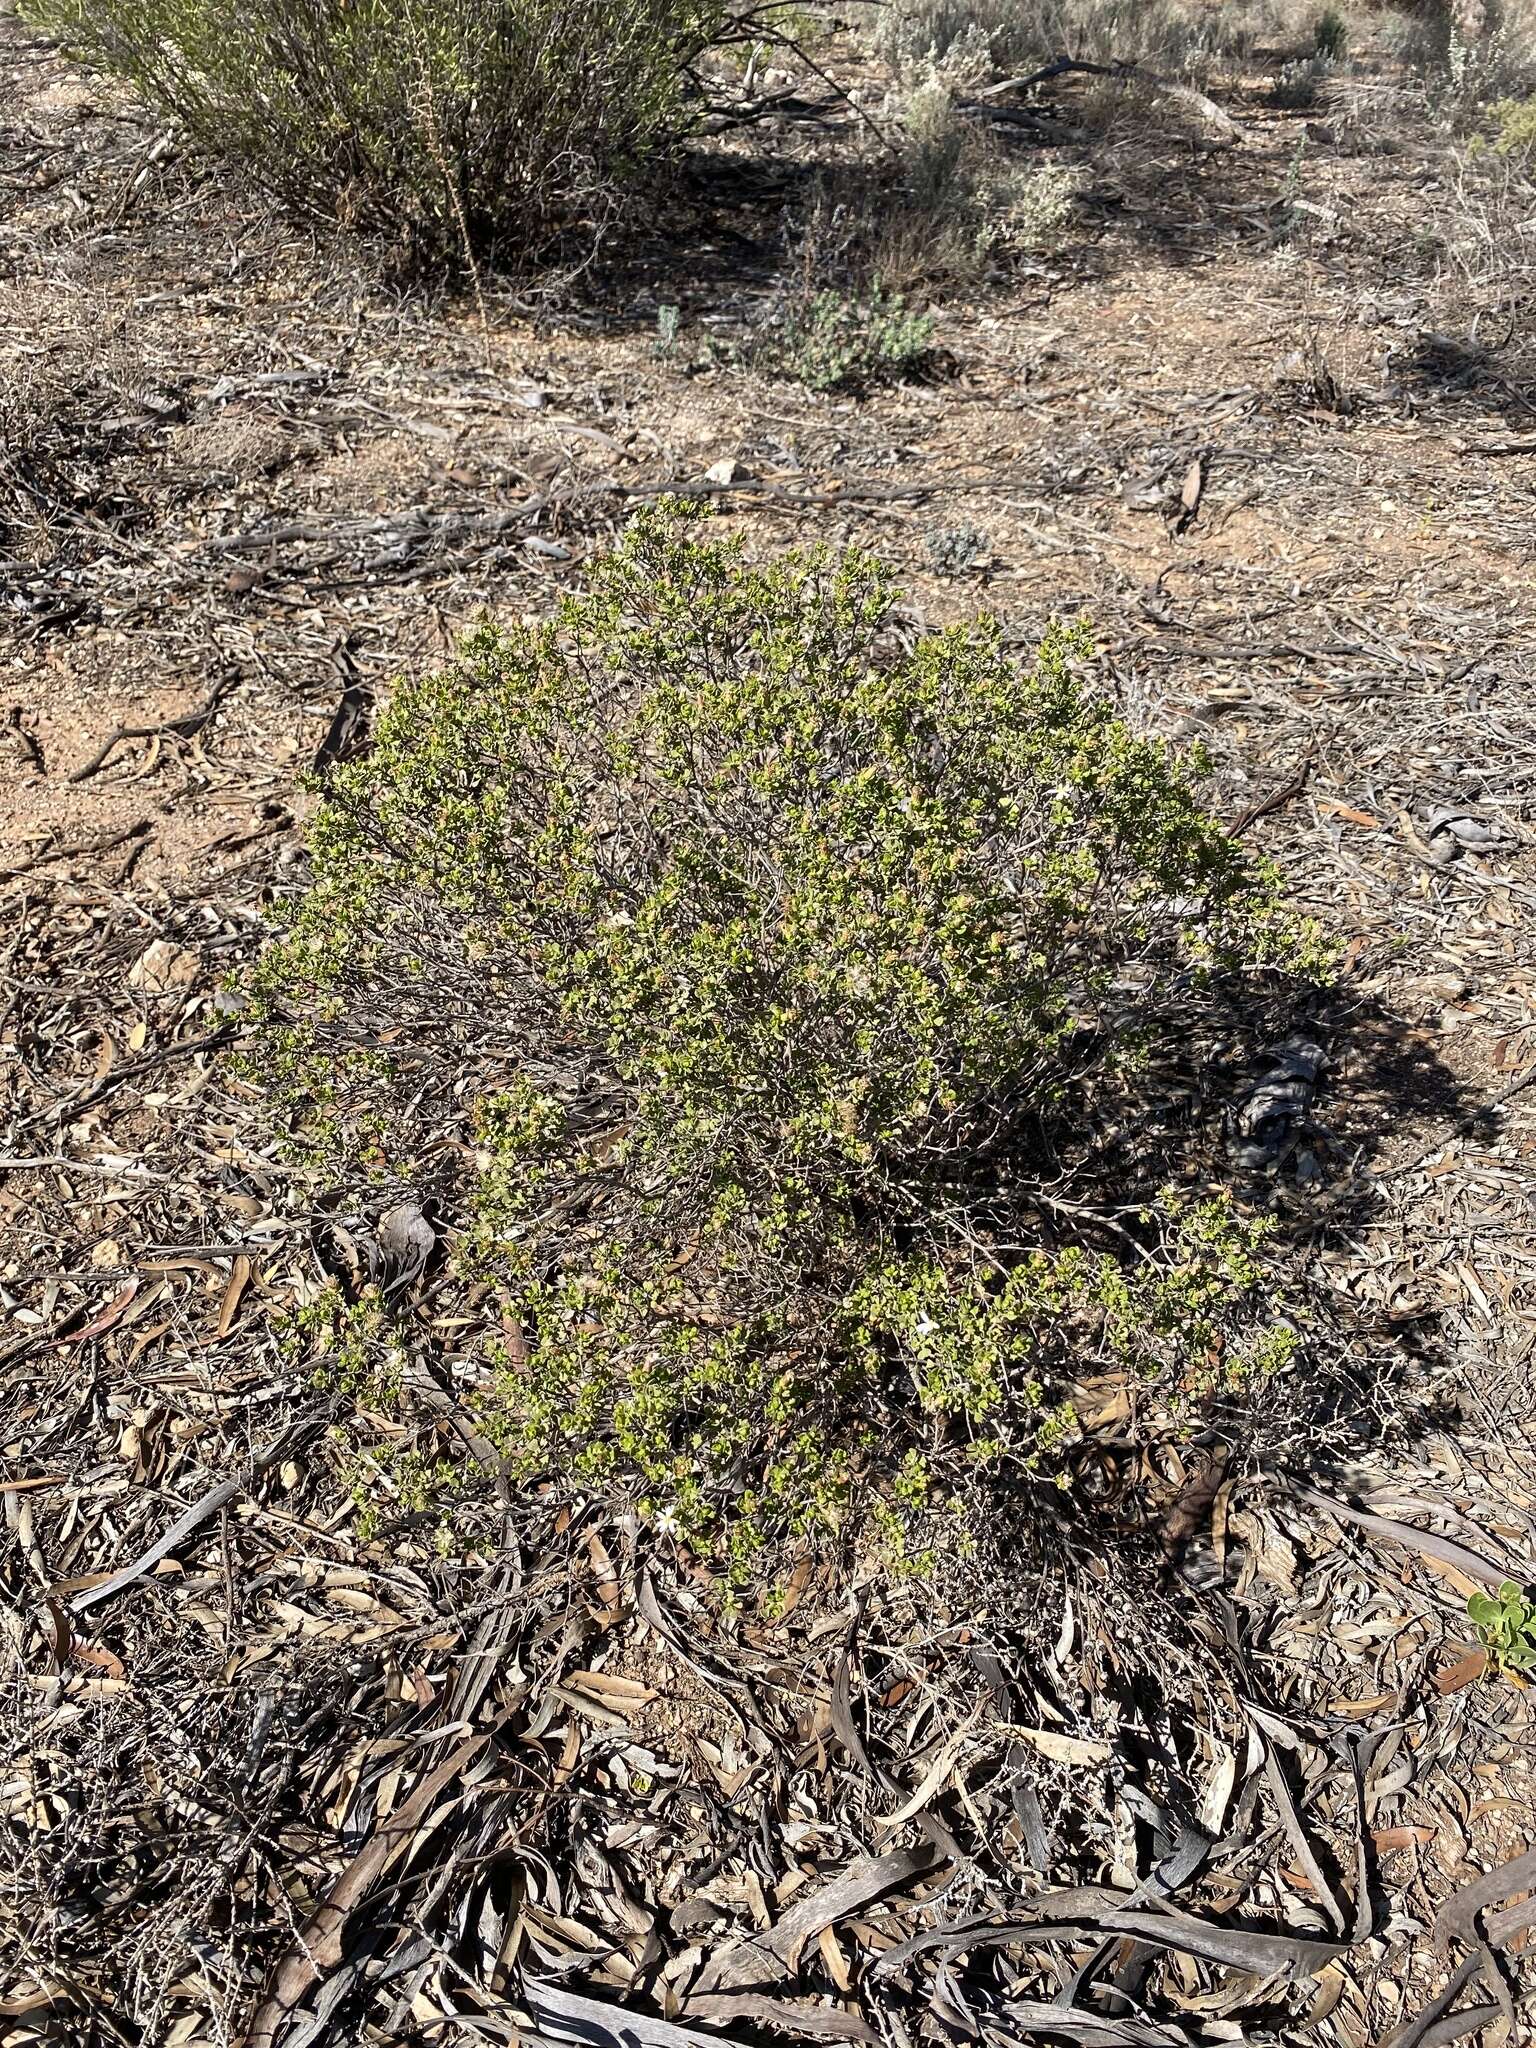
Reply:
x=464, y=127
x=1513, y=130
x=1506, y=1628
x=716, y=964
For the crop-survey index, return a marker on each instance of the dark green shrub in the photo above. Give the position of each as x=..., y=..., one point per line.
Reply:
x=1330, y=35
x=712, y=961
x=463, y=126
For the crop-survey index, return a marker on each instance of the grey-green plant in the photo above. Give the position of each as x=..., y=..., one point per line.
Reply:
x=717, y=955
x=668, y=324
x=960, y=199
x=832, y=340
x=952, y=550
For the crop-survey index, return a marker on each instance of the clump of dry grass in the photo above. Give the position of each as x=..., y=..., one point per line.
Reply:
x=64, y=416
x=962, y=199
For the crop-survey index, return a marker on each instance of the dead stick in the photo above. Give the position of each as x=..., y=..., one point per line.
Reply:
x=185, y=727
x=215, y=1498
x=1275, y=801
x=319, y=1948
x=1059, y=67
x=102, y=845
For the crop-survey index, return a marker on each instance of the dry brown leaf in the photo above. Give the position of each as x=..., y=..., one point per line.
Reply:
x=1349, y=815
x=229, y=1308
x=1465, y=1671
x=1064, y=1749
x=100, y=1324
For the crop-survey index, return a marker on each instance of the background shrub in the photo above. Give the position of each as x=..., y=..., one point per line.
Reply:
x=715, y=963
x=960, y=199
x=461, y=125
x=976, y=36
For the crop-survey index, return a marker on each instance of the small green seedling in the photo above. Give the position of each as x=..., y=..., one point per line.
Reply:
x=1506, y=1627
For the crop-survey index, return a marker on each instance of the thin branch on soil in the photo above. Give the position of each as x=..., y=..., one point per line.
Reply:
x=1060, y=67
x=103, y=844
x=186, y=727
x=1275, y=801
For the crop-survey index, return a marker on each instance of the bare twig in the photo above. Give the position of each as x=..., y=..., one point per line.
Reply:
x=102, y=844
x=186, y=727
x=1060, y=67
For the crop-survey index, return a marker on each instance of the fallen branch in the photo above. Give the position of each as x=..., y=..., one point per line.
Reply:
x=1035, y=119
x=778, y=106
x=319, y=1947
x=1465, y=1122
x=1504, y=444
x=1460, y=1917
x=104, y=843
x=1098, y=1913
x=186, y=727
x=420, y=523
x=1172, y=88
x=48, y=1162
